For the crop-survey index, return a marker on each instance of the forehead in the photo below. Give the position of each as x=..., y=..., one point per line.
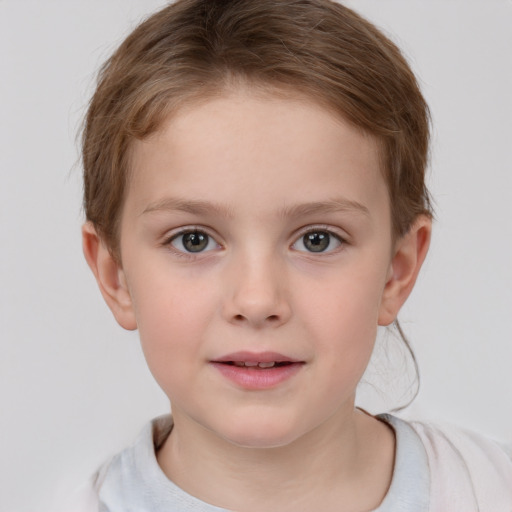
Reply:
x=243, y=143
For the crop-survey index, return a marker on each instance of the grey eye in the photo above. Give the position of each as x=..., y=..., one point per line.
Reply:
x=317, y=241
x=193, y=241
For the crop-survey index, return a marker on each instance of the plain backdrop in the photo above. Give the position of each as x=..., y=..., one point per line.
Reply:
x=73, y=385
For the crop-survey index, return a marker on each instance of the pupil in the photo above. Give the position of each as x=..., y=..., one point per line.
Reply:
x=317, y=241
x=195, y=242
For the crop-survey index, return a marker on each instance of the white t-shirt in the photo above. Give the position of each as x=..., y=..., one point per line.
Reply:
x=436, y=470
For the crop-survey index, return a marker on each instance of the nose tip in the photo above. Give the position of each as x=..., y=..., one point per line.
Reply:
x=258, y=298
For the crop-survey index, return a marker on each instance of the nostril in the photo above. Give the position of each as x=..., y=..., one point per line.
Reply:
x=270, y=318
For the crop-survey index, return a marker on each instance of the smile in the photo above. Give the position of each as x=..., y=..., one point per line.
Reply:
x=255, y=365
x=260, y=371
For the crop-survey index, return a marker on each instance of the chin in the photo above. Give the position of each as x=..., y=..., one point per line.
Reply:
x=261, y=434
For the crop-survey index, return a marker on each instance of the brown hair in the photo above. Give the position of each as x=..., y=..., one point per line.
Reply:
x=194, y=49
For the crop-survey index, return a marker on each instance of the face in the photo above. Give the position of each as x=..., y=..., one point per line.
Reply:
x=256, y=250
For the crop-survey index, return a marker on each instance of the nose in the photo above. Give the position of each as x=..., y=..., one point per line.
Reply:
x=257, y=294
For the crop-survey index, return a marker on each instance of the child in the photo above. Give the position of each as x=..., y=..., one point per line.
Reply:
x=256, y=207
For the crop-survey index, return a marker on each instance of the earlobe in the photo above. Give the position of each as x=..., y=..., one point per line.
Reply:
x=410, y=252
x=109, y=276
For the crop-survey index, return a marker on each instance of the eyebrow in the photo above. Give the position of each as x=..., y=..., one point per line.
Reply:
x=198, y=207
x=331, y=206
x=189, y=206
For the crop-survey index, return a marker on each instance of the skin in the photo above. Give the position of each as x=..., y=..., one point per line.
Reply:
x=255, y=173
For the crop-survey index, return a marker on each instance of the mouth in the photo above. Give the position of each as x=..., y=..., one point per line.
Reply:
x=257, y=360
x=257, y=371
x=257, y=365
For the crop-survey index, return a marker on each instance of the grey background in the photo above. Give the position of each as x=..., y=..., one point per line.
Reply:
x=74, y=387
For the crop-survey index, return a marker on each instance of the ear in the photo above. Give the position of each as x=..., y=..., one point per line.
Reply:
x=109, y=276
x=409, y=254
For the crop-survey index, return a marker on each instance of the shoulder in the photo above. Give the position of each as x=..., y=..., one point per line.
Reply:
x=126, y=477
x=133, y=481
x=121, y=482
x=466, y=469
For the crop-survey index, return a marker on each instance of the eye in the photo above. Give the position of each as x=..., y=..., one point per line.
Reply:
x=317, y=240
x=193, y=241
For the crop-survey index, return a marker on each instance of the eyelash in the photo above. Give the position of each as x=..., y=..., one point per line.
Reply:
x=321, y=229
x=168, y=242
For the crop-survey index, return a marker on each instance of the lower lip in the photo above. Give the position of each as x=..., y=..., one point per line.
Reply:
x=263, y=378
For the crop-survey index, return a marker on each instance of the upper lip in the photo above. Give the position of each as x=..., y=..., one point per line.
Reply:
x=256, y=357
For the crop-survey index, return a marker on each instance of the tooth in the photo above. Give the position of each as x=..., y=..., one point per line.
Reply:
x=239, y=363
x=266, y=365
x=250, y=363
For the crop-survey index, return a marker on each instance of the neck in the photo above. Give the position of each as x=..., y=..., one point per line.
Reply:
x=348, y=460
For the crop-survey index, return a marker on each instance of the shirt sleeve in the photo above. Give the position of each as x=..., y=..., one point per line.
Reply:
x=468, y=472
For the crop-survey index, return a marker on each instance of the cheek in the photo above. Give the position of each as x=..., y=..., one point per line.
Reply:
x=345, y=301
x=342, y=313
x=172, y=318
